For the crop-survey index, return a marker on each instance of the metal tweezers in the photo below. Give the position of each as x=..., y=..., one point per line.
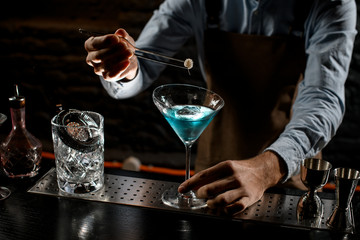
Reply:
x=144, y=54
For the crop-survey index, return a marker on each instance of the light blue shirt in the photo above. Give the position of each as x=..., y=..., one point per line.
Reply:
x=329, y=36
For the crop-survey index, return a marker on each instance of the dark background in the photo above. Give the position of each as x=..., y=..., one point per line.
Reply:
x=42, y=51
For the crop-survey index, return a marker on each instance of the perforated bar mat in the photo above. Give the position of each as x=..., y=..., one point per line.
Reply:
x=272, y=208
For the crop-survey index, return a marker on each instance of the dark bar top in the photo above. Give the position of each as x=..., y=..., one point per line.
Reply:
x=28, y=216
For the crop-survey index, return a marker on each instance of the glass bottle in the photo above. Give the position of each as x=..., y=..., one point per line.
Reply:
x=21, y=151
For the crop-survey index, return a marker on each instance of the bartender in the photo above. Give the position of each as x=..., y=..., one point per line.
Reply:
x=280, y=66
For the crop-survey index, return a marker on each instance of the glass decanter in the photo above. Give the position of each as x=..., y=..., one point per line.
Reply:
x=4, y=191
x=20, y=151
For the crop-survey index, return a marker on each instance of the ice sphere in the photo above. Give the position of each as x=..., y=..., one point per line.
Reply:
x=188, y=112
x=80, y=125
x=77, y=132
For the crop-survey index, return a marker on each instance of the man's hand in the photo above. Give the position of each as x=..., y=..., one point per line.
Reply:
x=234, y=185
x=111, y=56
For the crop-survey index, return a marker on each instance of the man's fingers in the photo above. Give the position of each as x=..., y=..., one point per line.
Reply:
x=110, y=71
x=100, y=42
x=217, y=187
x=206, y=176
x=231, y=202
x=95, y=57
x=196, y=181
x=98, y=69
x=122, y=33
x=114, y=71
x=116, y=52
x=224, y=199
x=238, y=206
x=109, y=62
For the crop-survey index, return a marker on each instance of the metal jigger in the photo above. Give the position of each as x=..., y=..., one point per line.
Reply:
x=341, y=219
x=314, y=174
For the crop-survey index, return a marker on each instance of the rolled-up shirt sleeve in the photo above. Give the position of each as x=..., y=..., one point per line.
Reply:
x=123, y=89
x=319, y=107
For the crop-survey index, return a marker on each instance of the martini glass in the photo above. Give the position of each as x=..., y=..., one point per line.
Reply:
x=4, y=192
x=189, y=110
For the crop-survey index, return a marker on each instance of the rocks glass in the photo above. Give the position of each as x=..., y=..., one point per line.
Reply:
x=78, y=138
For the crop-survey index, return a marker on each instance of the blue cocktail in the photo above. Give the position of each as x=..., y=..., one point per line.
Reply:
x=188, y=121
x=188, y=109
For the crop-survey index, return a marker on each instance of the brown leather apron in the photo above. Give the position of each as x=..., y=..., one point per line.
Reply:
x=257, y=77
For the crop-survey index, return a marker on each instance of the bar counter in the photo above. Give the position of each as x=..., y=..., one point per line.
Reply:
x=27, y=215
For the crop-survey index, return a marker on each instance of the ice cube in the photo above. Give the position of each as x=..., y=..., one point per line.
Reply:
x=188, y=112
x=73, y=167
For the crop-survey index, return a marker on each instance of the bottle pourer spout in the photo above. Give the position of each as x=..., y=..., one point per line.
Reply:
x=17, y=90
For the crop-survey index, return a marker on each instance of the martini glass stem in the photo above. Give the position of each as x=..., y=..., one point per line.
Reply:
x=187, y=160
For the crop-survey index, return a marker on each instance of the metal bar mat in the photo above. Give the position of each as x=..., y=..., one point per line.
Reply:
x=272, y=208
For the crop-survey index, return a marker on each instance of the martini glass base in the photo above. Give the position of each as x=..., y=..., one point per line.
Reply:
x=173, y=198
